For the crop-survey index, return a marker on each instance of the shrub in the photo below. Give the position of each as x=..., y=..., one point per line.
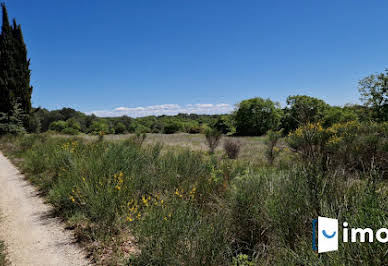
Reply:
x=242, y=260
x=351, y=146
x=194, y=130
x=70, y=131
x=213, y=137
x=170, y=128
x=73, y=123
x=12, y=121
x=58, y=126
x=272, y=139
x=99, y=126
x=157, y=127
x=120, y=128
x=137, y=139
x=232, y=148
x=136, y=127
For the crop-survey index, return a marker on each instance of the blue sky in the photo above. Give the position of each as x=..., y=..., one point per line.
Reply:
x=160, y=56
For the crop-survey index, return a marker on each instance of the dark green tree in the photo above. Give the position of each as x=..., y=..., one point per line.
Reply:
x=336, y=114
x=374, y=94
x=23, y=87
x=7, y=65
x=14, y=69
x=301, y=110
x=256, y=116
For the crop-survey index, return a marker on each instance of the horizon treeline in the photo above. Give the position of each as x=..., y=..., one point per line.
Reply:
x=252, y=117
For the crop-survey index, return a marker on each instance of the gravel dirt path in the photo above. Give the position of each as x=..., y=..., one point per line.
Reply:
x=31, y=234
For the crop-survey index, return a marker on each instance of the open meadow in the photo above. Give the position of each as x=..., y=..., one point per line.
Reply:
x=252, y=148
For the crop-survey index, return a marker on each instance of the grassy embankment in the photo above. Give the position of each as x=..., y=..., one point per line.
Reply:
x=154, y=204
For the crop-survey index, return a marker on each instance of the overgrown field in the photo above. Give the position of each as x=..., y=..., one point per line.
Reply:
x=252, y=148
x=152, y=204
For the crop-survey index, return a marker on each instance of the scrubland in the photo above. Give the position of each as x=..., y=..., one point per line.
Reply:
x=167, y=201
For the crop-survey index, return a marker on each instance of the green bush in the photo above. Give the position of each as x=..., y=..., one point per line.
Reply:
x=139, y=128
x=58, y=126
x=120, y=128
x=70, y=131
x=171, y=127
x=11, y=122
x=352, y=146
x=100, y=126
x=73, y=123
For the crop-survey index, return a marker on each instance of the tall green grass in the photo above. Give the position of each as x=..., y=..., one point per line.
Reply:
x=189, y=208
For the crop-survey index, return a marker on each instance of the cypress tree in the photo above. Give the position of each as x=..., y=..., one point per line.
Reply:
x=7, y=93
x=23, y=89
x=14, y=68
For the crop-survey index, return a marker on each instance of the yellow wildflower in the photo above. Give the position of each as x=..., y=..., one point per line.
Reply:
x=145, y=201
x=72, y=198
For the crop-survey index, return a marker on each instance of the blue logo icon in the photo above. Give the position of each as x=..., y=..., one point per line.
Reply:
x=327, y=235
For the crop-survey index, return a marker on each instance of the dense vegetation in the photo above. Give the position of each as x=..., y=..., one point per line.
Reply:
x=149, y=204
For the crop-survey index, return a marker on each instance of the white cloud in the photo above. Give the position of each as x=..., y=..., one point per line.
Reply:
x=166, y=109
